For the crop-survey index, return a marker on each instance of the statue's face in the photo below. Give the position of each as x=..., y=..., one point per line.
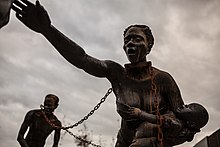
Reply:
x=185, y=110
x=49, y=105
x=135, y=45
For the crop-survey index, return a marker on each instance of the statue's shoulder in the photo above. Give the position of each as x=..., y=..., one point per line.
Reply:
x=33, y=113
x=111, y=63
x=161, y=73
x=114, y=66
x=56, y=120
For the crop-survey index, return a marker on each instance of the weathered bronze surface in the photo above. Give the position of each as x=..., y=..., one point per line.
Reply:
x=140, y=89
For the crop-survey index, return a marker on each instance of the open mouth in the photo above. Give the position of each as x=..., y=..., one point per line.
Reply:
x=131, y=50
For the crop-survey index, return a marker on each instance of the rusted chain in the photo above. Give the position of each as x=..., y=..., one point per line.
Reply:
x=156, y=105
x=80, y=121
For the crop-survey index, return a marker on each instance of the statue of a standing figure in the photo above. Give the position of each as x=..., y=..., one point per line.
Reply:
x=136, y=85
x=38, y=123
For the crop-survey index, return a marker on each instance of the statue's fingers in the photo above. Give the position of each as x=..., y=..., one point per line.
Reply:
x=19, y=4
x=16, y=9
x=131, y=109
x=39, y=7
x=19, y=17
x=27, y=2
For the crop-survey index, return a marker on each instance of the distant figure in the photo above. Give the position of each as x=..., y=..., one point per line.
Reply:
x=39, y=128
x=5, y=7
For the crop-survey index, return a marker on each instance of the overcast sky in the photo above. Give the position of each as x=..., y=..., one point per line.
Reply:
x=187, y=41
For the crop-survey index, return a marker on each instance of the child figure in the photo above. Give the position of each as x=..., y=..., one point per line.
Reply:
x=177, y=128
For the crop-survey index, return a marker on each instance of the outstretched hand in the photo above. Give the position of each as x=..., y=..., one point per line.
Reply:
x=33, y=16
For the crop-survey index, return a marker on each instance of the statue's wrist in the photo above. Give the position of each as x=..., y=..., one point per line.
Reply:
x=47, y=30
x=140, y=114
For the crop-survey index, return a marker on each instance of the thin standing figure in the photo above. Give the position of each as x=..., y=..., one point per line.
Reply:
x=39, y=127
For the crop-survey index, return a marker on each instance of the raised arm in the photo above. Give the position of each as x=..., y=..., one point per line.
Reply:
x=36, y=18
x=23, y=129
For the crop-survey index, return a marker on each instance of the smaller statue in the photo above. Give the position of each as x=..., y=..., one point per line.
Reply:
x=39, y=128
x=177, y=129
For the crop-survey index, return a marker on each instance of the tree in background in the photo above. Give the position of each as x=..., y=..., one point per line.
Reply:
x=85, y=135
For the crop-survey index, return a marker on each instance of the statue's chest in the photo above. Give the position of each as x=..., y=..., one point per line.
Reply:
x=139, y=94
x=41, y=124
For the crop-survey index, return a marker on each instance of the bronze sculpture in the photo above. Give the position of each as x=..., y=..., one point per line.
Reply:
x=137, y=85
x=39, y=128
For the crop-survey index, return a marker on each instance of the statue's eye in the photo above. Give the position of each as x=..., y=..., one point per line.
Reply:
x=126, y=41
x=138, y=39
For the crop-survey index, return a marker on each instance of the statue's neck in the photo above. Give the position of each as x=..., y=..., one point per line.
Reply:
x=49, y=114
x=138, y=71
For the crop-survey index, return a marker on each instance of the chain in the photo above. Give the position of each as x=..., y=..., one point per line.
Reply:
x=75, y=136
x=85, y=117
x=80, y=121
x=81, y=139
x=156, y=105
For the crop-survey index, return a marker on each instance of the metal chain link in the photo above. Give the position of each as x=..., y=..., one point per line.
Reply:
x=80, y=121
x=81, y=139
x=85, y=117
x=91, y=112
x=75, y=136
x=156, y=105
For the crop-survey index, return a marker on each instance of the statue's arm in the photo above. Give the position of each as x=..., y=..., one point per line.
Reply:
x=171, y=92
x=168, y=119
x=57, y=136
x=74, y=54
x=23, y=129
x=138, y=113
x=35, y=17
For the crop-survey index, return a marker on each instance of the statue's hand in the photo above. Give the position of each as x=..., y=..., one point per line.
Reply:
x=134, y=111
x=33, y=16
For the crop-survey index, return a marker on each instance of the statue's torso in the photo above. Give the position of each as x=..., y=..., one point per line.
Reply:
x=39, y=129
x=134, y=92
